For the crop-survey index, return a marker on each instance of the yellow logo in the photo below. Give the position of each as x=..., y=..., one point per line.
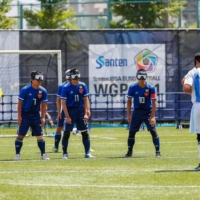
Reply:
x=1, y=92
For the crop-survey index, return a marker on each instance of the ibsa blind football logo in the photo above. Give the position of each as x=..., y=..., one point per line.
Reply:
x=146, y=60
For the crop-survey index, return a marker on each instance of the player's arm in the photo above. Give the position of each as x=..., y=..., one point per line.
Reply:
x=43, y=112
x=182, y=81
x=86, y=108
x=64, y=107
x=187, y=89
x=128, y=105
x=19, y=111
x=58, y=105
x=187, y=83
x=153, y=112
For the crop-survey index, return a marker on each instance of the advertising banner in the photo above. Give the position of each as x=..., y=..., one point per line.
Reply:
x=113, y=67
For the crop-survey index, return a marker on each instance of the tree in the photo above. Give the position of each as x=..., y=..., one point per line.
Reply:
x=53, y=15
x=5, y=21
x=145, y=14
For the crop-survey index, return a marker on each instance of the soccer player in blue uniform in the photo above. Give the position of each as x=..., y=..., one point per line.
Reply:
x=61, y=115
x=75, y=104
x=144, y=104
x=30, y=98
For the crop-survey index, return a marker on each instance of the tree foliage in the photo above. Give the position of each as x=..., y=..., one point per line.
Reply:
x=6, y=22
x=144, y=14
x=53, y=15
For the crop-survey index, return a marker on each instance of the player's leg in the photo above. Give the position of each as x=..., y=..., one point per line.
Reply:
x=58, y=133
x=133, y=128
x=67, y=128
x=89, y=130
x=83, y=127
x=195, y=125
x=152, y=129
x=22, y=130
x=36, y=127
x=198, y=139
x=65, y=141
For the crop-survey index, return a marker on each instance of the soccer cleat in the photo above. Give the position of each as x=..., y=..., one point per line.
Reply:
x=45, y=157
x=55, y=150
x=129, y=154
x=158, y=155
x=89, y=156
x=198, y=167
x=65, y=156
x=17, y=157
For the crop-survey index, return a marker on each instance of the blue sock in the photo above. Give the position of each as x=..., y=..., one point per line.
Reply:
x=57, y=140
x=86, y=143
x=18, y=145
x=156, y=142
x=131, y=142
x=41, y=145
x=64, y=146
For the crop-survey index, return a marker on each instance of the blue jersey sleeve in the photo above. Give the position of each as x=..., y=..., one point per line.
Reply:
x=22, y=94
x=130, y=92
x=64, y=92
x=44, y=96
x=59, y=90
x=85, y=90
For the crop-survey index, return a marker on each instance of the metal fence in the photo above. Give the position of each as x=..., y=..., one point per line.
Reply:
x=170, y=107
x=94, y=14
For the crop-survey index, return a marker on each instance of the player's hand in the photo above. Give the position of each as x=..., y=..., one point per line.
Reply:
x=88, y=113
x=129, y=118
x=19, y=121
x=68, y=120
x=58, y=116
x=42, y=121
x=86, y=117
x=152, y=121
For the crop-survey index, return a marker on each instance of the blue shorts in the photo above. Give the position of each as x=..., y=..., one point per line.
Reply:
x=138, y=117
x=77, y=117
x=61, y=121
x=30, y=120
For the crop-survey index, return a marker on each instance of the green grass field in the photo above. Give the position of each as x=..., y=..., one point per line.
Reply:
x=109, y=175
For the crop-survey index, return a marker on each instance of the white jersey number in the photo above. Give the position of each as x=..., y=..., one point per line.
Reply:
x=76, y=97
x=141, y=99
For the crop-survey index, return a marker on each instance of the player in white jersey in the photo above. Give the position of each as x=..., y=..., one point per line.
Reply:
x=191, y=85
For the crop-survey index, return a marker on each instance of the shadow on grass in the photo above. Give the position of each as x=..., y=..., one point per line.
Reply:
x=175, y=171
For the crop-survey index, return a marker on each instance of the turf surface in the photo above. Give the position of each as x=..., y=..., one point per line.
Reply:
x=109, y=175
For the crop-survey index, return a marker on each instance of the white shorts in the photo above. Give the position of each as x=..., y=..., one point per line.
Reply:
x=195, y=118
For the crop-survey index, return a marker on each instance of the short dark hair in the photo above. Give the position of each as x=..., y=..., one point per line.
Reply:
x=74, y=71
x=33, y=73
x=196, y=57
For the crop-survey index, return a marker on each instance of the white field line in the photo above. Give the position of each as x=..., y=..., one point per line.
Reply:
x=100, y=186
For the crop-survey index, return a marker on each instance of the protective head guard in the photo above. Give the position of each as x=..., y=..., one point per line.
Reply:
x=67, y=74
x=141, y=75
x=36, y=75
x=75, y=74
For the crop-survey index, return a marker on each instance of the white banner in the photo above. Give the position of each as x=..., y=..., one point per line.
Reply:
x=112, y=69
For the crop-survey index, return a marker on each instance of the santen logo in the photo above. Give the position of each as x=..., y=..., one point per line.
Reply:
x=101, y=61
x=147, y=60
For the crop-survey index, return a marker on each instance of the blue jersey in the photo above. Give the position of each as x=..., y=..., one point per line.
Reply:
x=74, y=94
x=142, y=96
x=32, y=98
x=59, y=91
